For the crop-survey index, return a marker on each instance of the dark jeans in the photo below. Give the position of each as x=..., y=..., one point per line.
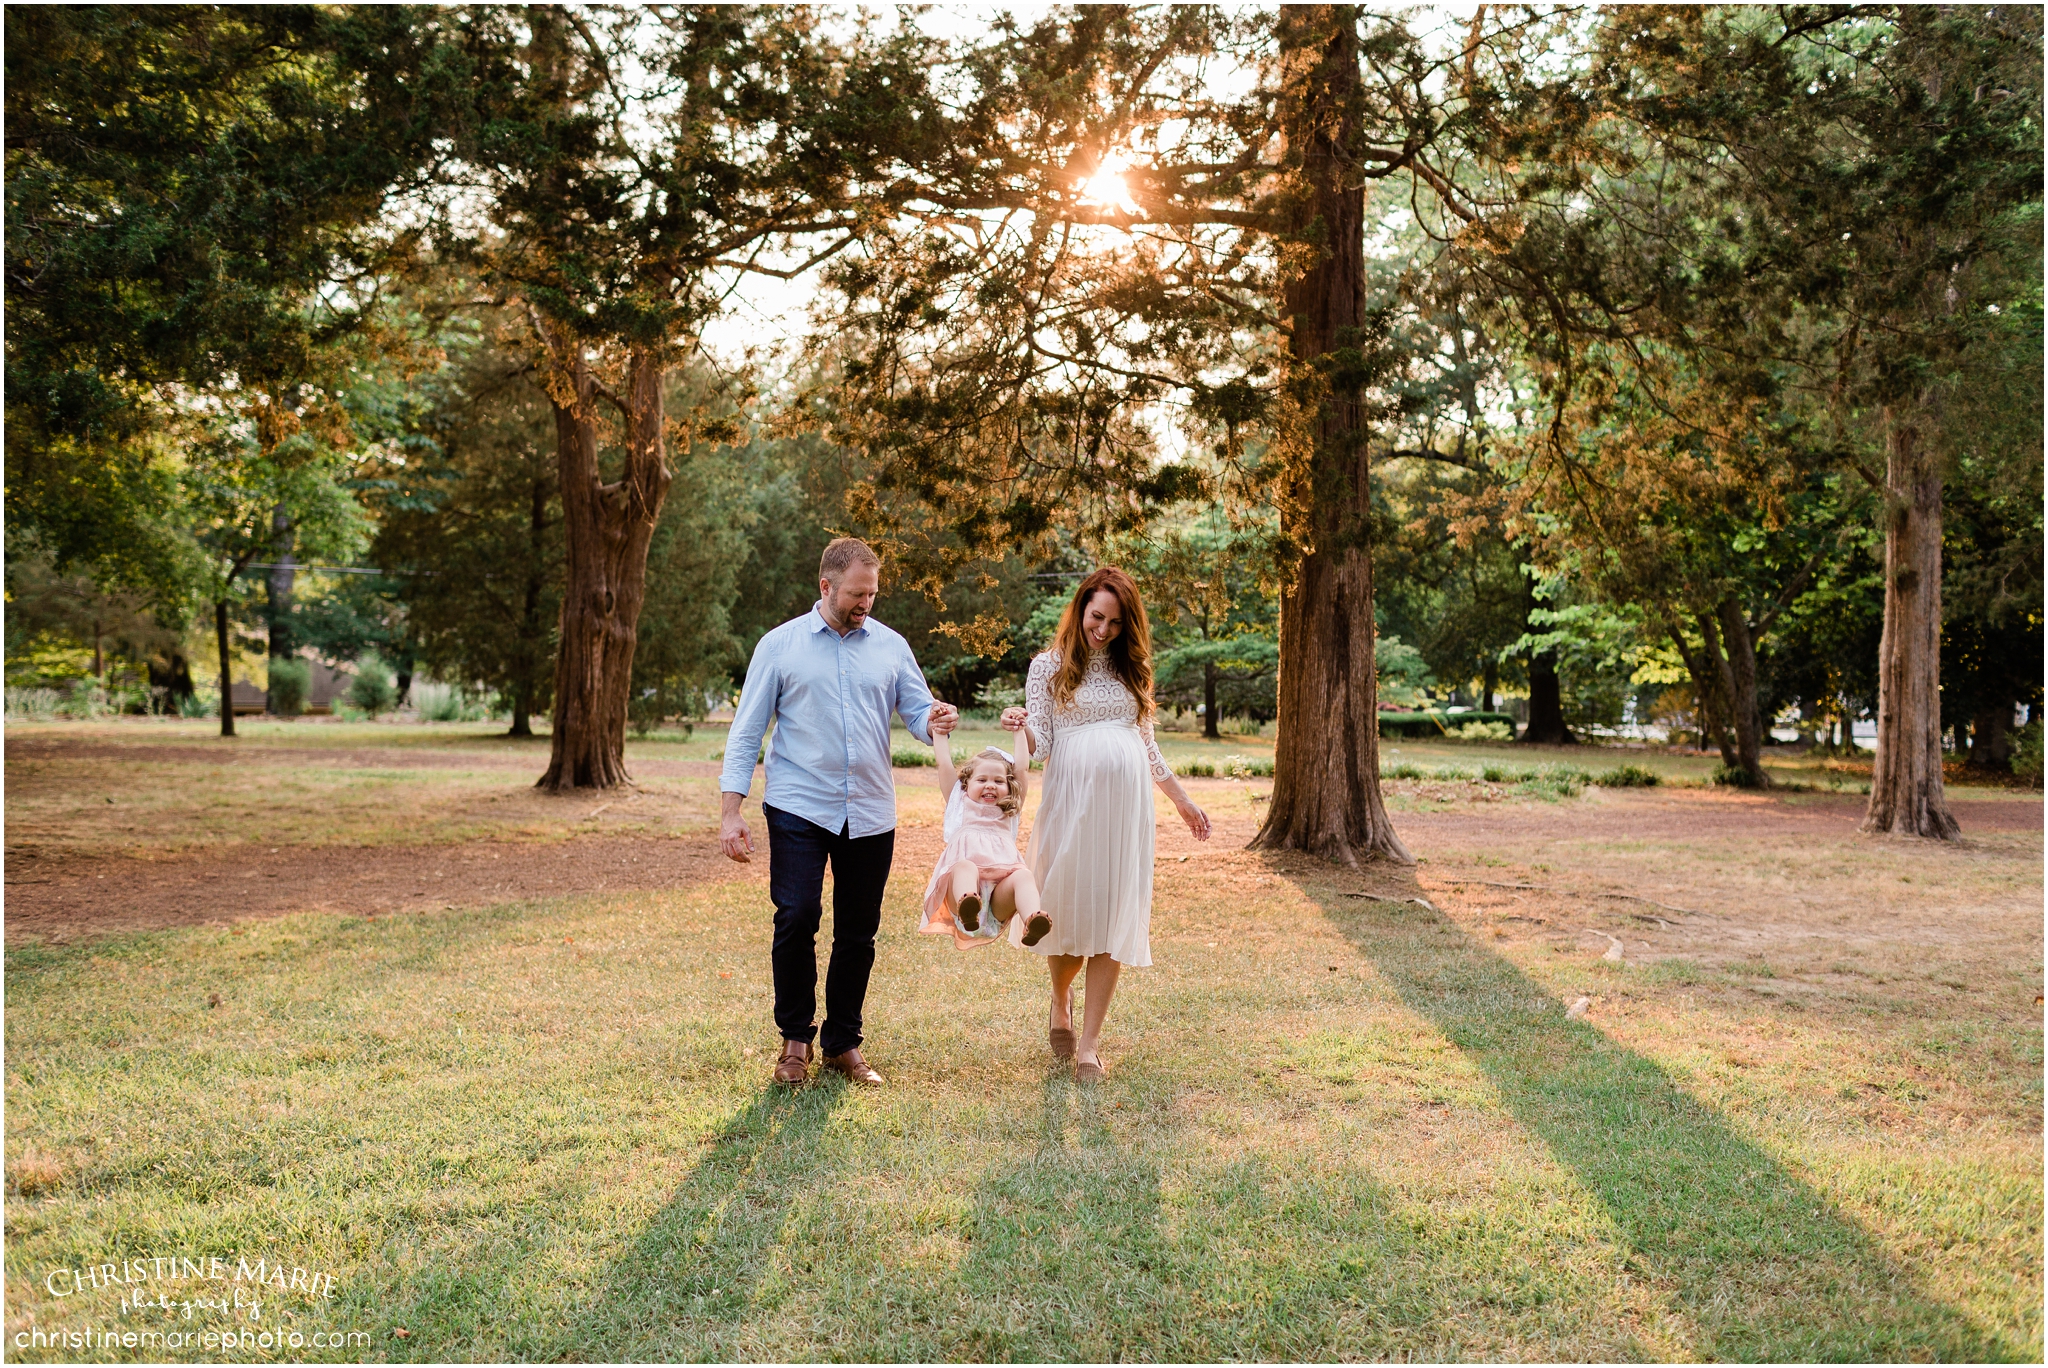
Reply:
x=797, y=853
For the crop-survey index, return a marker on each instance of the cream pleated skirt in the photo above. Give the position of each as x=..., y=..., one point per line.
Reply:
x=1091, y=844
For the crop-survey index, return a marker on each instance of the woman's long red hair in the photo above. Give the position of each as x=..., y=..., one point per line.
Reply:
x=1130, y=655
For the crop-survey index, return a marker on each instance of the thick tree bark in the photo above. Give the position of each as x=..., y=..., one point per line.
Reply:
x=1546, y=726
x=1991, y=739
x=227, y=686
x=1209, y=728
x=607, y=529
x=1738, y=677
x=1906, y=794
x=1326, y=788
x=527, y=661
x=1491, y=683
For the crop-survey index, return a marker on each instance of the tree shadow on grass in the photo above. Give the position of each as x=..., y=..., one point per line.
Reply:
x=1066, y=1255
x=1760, y=1262
x=705, y=1262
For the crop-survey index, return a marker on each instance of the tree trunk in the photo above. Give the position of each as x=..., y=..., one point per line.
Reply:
x=607, y=528
x=522, y=709
x=1326, y=787
x=99, y=660
x=1546, y=705
x=1491, y=681
x=1209, y=728
x=1738, y=677
x=1906, y=794
x=1991, y=739
x=227, y=685
x=1713, y=682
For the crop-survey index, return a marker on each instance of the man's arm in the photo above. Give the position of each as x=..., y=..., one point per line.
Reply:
x=742, y=748
x=916, y=706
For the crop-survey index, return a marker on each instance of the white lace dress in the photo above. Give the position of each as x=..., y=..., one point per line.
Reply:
x=1091, y=842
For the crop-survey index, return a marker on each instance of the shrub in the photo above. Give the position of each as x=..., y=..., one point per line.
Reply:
x=911, y=757
x=372, y=689
x=1237, y=767
x=1485, y=731
x=1731, y=776
x=1402, y=771
x=445, y=703
x=1195, y=769
x=290, y=682
x=40, y=704
x=2026, y=752
x=996, y=696
x=1627, y=776
x=196, y=704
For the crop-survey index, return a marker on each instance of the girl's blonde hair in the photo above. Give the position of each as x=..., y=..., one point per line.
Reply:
x=1010, y=803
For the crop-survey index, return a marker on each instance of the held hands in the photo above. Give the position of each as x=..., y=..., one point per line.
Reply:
x=944, y=717
x=1014, y=719
x=1197, y=820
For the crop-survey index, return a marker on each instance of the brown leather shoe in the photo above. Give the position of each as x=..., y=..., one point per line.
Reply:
x=1037, y=929
x=1062, y=1041
x=794, y=1068
x=855, y=1068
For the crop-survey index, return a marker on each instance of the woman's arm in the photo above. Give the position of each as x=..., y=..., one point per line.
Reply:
x=1014, y=722
x=1038, y=705
x=1190, y=812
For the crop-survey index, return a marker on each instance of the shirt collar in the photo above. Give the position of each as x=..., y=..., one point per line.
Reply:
x=819, y=624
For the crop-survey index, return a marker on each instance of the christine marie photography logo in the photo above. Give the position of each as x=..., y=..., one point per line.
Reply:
x=207, y=1303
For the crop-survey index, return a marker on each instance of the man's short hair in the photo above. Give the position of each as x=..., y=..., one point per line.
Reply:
x=843, y=554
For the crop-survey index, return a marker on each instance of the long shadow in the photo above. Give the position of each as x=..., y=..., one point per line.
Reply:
x=703, y=1259
x=1762, y=1264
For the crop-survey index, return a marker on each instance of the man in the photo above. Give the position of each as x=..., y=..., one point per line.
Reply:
x=829, y=679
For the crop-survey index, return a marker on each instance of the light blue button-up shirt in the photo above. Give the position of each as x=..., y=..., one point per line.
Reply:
x=831, y=698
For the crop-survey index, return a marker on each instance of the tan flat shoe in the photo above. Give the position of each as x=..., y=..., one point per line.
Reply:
x=1062, y=1041
x=1086, y=1072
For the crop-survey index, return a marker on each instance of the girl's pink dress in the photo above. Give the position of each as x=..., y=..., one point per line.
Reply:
x=982, y=833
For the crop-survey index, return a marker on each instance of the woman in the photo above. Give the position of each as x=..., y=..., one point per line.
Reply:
x=1089, y=707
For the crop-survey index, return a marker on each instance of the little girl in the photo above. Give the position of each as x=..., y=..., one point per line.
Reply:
x=980, y=871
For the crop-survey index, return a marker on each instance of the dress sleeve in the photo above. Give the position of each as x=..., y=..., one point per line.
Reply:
x=1038, y=704
x=1160, y=773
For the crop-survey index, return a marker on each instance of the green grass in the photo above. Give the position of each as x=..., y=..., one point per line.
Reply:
x=540, y=1132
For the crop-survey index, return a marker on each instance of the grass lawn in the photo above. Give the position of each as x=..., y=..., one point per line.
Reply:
x=1804, y=1124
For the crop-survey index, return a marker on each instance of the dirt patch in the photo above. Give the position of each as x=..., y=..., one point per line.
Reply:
x=103, y=897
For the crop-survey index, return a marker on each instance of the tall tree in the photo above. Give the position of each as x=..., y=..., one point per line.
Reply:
x=636, y=159
x=1803, y=196
x=189, y=190
x=1108, y=232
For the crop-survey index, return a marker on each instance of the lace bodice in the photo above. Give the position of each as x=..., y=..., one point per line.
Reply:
x=1100, y=697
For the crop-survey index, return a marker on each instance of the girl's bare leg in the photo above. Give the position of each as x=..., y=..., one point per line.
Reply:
x=1018, y=893
x=1064, y=969
x=964, y=883
x=1102, y=976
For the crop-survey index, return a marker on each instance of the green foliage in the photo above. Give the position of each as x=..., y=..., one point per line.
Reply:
x=1732, y=776
x=1404, y=675
x=435, y=702
x=1434, y=723
x=290, y=682
x=182, y=182
x=912, y=757
x=372, y=689
x=1627, y=776
x=2026, y=752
